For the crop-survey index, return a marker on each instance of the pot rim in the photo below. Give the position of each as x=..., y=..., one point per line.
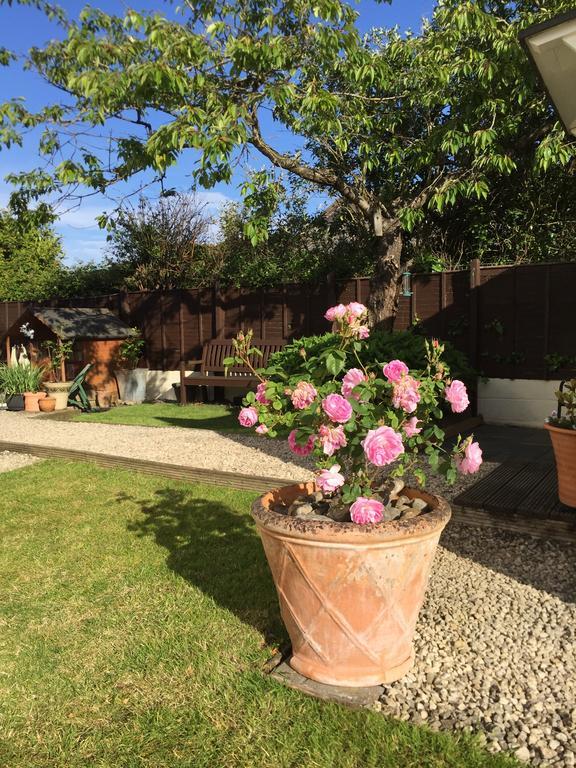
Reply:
x=561, y=430
x=423, y=526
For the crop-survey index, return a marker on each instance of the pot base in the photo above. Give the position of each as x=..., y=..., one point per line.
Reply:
x=384, y=677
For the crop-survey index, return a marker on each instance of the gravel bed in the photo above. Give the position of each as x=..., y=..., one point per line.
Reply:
x=245, y=454
x=10, y=461
x=496, y=645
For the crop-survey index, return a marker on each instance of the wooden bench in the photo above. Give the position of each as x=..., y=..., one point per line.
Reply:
x=213, y=371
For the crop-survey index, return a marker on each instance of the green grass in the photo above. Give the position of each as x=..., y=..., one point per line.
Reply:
x=221, y=418
x=135, y=616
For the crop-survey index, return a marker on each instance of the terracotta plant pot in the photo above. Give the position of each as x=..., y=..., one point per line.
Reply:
x=564, y=444
x=31, y=400
x=47, y=404
x=349, y=594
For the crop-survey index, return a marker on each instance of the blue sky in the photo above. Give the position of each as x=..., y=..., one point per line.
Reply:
x=21, y=28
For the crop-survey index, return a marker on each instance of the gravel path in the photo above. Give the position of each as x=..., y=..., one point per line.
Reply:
x=246, y=454
x=496, y=645
x=10, y=461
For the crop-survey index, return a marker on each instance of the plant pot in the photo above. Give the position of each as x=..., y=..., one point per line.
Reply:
x=59, y=391
x=564, y=445
x=47, y=404
x=349, y=594
x=31, y=400
x=132, y=384
x=14, y=402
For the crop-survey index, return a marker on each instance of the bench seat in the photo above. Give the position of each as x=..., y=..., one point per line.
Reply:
x=213, y=372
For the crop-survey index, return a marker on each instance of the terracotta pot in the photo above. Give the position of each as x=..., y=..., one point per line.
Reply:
x=47, y=404
x=349, y=594
x=31, y=401
x=564, y=444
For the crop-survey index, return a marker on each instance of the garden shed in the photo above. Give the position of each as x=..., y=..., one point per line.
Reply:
x=96, y=335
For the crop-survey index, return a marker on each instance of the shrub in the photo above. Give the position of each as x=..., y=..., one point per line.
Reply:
x=408, y=346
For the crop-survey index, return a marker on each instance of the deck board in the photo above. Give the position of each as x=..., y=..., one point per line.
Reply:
x=516, y=488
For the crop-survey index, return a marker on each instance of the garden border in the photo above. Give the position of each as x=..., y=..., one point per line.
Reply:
x=551, y=529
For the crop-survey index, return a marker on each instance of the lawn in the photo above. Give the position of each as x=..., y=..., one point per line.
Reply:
x=136, y=613
x=221, y=418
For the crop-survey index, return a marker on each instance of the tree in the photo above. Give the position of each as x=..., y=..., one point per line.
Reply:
x=299, y=247
x=30, y=255
x=394, y=127
x=159, y=246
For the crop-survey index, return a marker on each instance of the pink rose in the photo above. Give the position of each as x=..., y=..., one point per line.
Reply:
x=248, y=416
x=366, y=511
x=354, y=377
x=303, y=395
x=382, y=446
x=394, y=370
x=331, y=438
x=472, y=459
x=405, y=394
x=261, y=394
x=337, y=408
x=335, y=313
x=410, y=428
x=356, y=309
x=329, y=480
x=363, y=332
x=261, y=429
x=457, y=396
x=298, y=448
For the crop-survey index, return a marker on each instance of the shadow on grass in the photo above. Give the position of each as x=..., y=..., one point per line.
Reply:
x=216, y=423
x=217, y=550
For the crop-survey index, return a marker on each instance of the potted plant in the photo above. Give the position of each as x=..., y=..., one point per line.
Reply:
x=351, y=553
x=57, y=352
x=562, y=428
x=131, y=380
x=21, y=384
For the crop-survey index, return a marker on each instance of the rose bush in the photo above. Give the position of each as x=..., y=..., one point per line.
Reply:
x=356, y=420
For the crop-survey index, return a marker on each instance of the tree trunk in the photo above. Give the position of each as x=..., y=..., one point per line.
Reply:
x=385, y=285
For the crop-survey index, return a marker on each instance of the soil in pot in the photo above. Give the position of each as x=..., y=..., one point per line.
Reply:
x=350, y=594
x=47, y=404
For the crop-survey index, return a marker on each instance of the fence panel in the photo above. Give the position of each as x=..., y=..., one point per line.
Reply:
x=508, y=319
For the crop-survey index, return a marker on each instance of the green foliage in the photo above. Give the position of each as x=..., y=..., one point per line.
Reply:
x=131, y=349
x=566, y=415
x=162, y=245
x=299, y=247
x=380, y=346
x=57, y=352
x=17, y=379
x=30, y=256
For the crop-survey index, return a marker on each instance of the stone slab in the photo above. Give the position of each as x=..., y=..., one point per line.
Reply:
x=358, y=698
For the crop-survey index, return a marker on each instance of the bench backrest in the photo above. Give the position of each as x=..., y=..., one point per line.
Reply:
x=216, y=351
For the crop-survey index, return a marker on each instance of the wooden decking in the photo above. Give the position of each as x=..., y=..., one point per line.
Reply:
x=518, y=488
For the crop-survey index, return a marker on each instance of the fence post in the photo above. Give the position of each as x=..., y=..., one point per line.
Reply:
x=218, y=311
x=473, y=325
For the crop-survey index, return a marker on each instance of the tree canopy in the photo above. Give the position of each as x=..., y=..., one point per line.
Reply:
x=30, y=255
x=398, y=128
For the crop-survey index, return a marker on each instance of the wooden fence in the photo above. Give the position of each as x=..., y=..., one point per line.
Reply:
x=507, y=319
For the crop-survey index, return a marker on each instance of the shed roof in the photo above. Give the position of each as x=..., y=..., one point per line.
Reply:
x=79, y=322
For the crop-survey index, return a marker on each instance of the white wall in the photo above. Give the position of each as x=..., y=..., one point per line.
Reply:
x=159, y=386
x=520, y=402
